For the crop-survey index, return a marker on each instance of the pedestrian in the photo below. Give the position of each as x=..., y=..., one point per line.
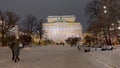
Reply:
x=63, y=44
x=15, y=50
x=11, y=47
x=78, y=47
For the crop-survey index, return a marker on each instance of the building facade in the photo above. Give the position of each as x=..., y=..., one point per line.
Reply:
x=60, y=28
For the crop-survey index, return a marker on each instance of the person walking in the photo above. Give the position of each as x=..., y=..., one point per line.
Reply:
x=16, y=51
x=11, y=47
x=15, y=48
x=78, y=47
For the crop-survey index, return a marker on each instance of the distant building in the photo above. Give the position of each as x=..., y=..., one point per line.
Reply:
x=60, y=28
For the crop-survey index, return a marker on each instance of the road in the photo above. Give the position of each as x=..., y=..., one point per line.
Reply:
x=50, y=57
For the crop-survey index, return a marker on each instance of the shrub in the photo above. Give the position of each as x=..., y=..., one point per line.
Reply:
x=72, y=40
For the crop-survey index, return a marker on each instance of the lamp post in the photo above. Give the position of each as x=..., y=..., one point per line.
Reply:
x=119, y=31
x=39, y=35
x=105, y=7
x=109, y=34
x=118, y=28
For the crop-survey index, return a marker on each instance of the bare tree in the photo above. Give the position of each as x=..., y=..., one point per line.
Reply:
x=103, y=12
x=9, y=20
x=40, y=29
x=29, y=22
x=2, y=27
x=94, y=29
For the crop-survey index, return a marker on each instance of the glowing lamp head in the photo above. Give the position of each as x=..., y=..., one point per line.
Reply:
x=17, y=37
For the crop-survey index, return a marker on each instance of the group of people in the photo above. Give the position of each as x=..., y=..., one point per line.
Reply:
x=61, y=43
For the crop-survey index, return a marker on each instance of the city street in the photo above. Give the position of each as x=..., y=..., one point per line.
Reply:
x=50, y=57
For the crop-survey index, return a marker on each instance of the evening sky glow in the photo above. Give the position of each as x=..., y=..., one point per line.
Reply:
x=44, y=8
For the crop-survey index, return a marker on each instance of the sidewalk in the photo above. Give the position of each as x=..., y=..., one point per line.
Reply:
x=111, y=58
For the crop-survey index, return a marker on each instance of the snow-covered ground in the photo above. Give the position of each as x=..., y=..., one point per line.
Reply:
x=110, y=57
x=55, y=57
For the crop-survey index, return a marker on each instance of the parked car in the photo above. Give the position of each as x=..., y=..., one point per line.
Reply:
x=107, y=48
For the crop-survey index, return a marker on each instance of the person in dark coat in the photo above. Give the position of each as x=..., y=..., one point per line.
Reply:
x=15, y=50
x=11, y=47
x=78, y=47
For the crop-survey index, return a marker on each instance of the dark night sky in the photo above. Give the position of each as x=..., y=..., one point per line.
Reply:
x=44, y=8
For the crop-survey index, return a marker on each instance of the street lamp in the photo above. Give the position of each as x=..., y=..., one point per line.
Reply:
x=118, y=22
x=112, y=24
x=38, y=32
x=104, y=7
x=118, y=30
x=105, y=11
x=118, y=27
